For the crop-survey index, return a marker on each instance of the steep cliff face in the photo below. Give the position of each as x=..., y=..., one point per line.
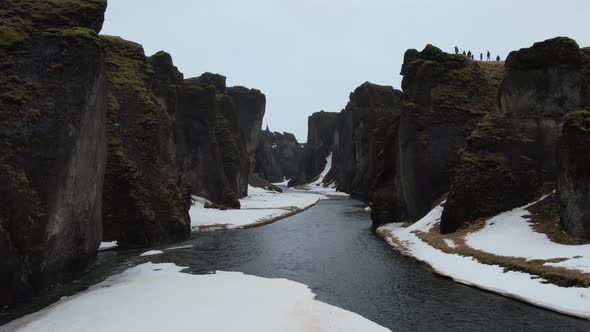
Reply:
x=511, y=155
x=321, y=136
x=444, y=97
x=362, y=132
x=53, y=104
x=573, y=181
x=543, y=83
x=199, y=157
x=278, y=156
x=142, y=202
x=250, y=105
x=216, y=135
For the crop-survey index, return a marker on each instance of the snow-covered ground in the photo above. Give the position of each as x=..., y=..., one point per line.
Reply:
x=509, y=235
x=259, y=207
x=158, y=297
x=318, y=187
x=107, y=245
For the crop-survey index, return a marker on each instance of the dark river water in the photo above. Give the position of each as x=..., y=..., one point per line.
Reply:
x=331, y=249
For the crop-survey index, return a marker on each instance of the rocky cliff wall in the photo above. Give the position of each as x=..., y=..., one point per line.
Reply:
x=142, y=202
x=444, y=97
x=510, y=158
x=53, y=107
x=278, y=156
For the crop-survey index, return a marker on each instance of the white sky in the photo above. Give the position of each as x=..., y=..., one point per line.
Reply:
x=308, y=55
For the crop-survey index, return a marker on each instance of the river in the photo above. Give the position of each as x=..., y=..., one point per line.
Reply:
x=331, y=249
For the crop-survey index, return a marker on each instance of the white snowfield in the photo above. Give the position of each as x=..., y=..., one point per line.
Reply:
x=107, y=245
x=318, y=186
x=158, y=297
x=507, y=234
x=259, y=207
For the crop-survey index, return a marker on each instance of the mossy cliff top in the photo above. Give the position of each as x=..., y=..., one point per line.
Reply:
x=21, y=18
x=560, y=51
x=433, y=78
x=164, y=68
x=374, y=95
x=576, y=122
x=208, y=79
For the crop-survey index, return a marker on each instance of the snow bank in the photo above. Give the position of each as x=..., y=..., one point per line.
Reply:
x=158, y=297
x=318, y=185
x=260, y=207
x=574, y=300
x=152, y=253
x=107, y=245
x=503, y=236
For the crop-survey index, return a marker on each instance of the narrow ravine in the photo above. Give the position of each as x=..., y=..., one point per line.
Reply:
x=330, y=248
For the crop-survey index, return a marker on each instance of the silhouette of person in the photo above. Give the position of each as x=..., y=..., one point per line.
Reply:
x=480, y=56
x=472, y=57
x=488, y=55
x=456, y=50
x=498, y=58
x=464, y=53
x=469, y=54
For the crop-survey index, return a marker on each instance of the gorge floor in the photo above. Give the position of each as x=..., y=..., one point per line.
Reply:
x=330, y=248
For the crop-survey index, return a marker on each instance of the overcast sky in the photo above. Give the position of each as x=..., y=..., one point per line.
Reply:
x=308, y=55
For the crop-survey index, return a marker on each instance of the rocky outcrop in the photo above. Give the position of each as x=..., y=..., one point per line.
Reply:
x=365, y=128
x=573, y=181
x=444, y=97
x=216, y=134
x=250, y=105
x=510, y=157
x=53, y=104
x=142, y=202
x=543, y=83
x=278, y=156
x=321, y=136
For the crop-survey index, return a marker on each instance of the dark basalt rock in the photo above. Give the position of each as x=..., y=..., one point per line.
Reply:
x=53, y=104
x=216, y=132
x=444, y=97
x=250, y=105
x=365, y=128
x=496, y=173
x=198, y=154
x=142, y=202
x=542, y=83
x=278, y=156
x=321, y=136
x=574, y=174
x=510, y=157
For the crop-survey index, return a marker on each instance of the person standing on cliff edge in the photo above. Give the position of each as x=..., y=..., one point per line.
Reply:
x=488, y=55
x=498, y=58
x=456, y=50
x=480, y=56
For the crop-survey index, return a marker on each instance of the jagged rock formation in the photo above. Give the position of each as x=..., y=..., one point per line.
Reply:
x=574, y=174
x=250, y=105
x=364, y=127
x=278, y=156
x=444, y=97
x=510, y=157
x=321, y=136
x=142, y=202
x=216, y=130
x=53, y=104
x=82, y=113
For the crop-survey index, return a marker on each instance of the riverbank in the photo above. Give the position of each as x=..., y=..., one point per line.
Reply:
x=260, y=207
x=159, y=297
x=519, y=253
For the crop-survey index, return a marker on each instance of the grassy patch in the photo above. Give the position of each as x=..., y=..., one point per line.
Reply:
x=556, y=275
